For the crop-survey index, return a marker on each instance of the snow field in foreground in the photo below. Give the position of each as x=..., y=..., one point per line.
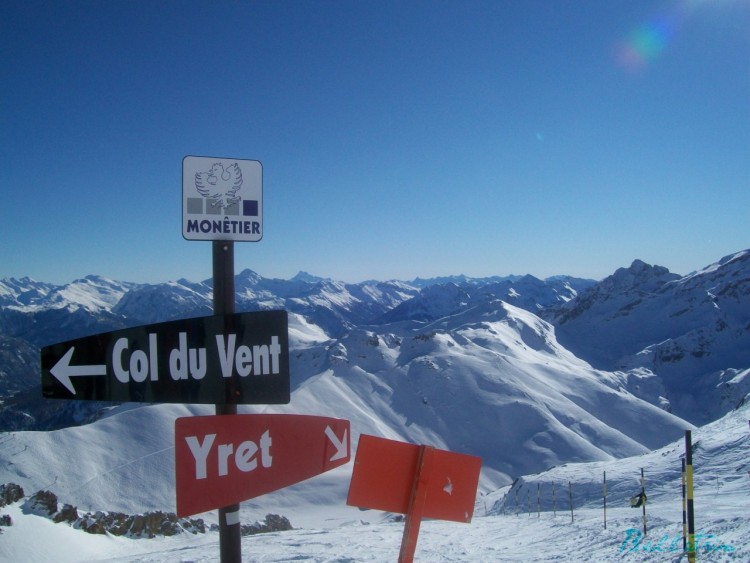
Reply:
x=504, y=538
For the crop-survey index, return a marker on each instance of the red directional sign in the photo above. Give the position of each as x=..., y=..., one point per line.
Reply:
x=224, y=460
x=383, y=479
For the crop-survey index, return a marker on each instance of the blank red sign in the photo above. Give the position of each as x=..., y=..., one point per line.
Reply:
x=383, y=478
x=223, y=460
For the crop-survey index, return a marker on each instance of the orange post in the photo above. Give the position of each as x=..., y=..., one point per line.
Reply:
x=416, y=505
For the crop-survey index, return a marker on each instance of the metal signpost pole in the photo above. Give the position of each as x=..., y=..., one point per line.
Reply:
x=554, y=501
x=690, y=505
x=684, y=509
x=570, y=494
x=538, y=501
x=643, y=497
x=604, y=490
x=223, y=271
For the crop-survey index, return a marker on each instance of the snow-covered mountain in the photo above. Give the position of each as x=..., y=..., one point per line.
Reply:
x=692, y=332
x=494, y=383
x=667, y=339
x=444, y=299
x=42, y=313
x=523, y=522
x=93, y=293
x=528, y=374
x=35, y=314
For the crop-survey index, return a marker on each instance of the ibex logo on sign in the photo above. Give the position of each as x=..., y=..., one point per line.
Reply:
x=219, y=186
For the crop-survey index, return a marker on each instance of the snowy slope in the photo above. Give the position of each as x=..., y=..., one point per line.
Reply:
x=468, y=367
x=94, y=293
x=500, y=531
x=646, y=305
x=693, y=331
x=527, y=292
x=500, y=388
x=43, y=314
x=34, y=314
x=19, y=364
x=148, y=303
x=22, y=291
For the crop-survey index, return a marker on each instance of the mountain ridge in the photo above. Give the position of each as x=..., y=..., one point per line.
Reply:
x=698, y=327
x=478, y=368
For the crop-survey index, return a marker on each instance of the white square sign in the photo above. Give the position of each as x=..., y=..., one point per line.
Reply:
x=222, y=199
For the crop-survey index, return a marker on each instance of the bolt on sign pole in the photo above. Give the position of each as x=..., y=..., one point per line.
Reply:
x=690, y=506
x=230, y=545
x=604, y=487
x=416, y=505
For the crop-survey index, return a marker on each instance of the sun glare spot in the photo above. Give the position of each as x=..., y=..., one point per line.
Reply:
x=647, y=42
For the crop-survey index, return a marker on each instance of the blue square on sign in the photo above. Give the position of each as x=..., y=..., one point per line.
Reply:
x=250, y=208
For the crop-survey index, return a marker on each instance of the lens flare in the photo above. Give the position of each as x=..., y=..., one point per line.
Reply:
x=646, y=43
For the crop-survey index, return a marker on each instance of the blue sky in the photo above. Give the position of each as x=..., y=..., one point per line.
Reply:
x=398, y=139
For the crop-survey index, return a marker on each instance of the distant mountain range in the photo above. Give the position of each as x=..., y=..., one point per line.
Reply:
x=689, y=334
x=526, y=373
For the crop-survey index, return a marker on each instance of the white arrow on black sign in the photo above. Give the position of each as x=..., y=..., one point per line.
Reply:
x=239, y=358
x=63, y=371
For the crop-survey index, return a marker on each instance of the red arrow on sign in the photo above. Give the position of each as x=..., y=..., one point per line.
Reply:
x=224, y=460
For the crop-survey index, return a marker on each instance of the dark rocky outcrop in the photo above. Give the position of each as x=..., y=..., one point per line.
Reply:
x=147, y=525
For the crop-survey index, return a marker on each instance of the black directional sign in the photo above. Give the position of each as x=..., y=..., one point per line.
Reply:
x=222, y=359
